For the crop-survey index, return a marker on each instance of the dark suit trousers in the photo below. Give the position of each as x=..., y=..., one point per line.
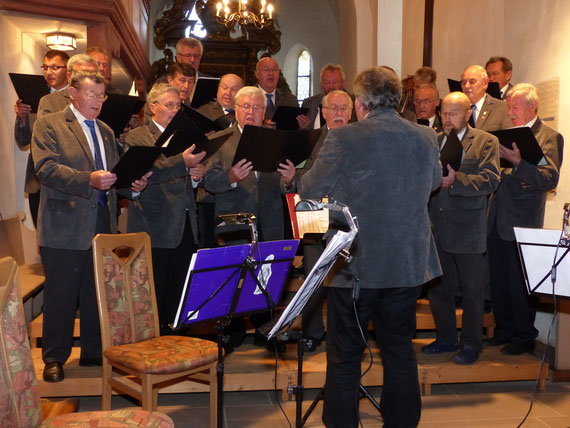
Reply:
x=170, y=266
x=393, y=313
x=513, y=308
x=312, y=314
x=469, y=269
x=70, y=280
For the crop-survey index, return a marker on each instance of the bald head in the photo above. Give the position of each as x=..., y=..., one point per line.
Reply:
x=474, y=82
x=455, y=112
x=228, y=87
x=267, y=74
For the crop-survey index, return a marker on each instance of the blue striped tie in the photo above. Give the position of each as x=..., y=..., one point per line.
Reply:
x=102, y=198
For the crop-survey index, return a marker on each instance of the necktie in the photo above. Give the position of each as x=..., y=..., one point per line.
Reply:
x=270, y=105
x=321, y=117
x=473, y=117
x=102, y=198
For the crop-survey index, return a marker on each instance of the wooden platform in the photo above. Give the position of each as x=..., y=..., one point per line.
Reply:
x=250, y=368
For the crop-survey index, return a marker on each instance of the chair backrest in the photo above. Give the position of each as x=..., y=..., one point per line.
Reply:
x=125, y=288
x=19, y=396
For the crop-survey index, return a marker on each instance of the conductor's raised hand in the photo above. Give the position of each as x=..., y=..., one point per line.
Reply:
x=139, y=185
x=102, y=180
x=287, y=171
x=190, y=159
x=240, y=170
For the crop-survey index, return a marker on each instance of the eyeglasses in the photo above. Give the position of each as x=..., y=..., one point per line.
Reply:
x=255, y=107
x=334, y=107
x=94, y=97
x=188, y=56
x=52, y=67
x=169, y=106
x=425, y=101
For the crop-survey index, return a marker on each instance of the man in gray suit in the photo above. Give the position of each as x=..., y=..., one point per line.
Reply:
x=487, y=113
x=500, y=70
x=332, y=79
x=166, y=210
x=228, y=87
x=55, y=73
x=73, y=154
x=59, y=100
x=519, y=202
x=381, y=156
x=426, y=102
x=267, y=75
x=458, y=211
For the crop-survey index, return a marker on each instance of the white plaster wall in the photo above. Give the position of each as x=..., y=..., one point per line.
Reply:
x=412, y=36
x=390, y=20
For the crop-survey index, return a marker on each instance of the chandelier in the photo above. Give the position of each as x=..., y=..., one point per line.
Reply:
x=243, y=16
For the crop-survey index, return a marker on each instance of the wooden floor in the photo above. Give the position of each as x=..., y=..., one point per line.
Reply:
x=251, y=368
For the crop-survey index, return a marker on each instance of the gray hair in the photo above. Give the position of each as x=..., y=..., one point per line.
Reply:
x=251, y=91
x=429, y=86
x=325, y=101
x=158, y=90
x=425, y=74
x=190, y=42
x=378, y=87
x=526, y=90
x=81, y=59
x=333, y=67
x=80, y=76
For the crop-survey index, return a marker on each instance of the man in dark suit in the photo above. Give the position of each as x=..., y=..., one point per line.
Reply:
x=238, y=188
x=519, y=202
x=382, y=154
x=73, y=154
x=487, y=113
x=55, y=73
x=332, y=79
x=426, y=101
x=166, y=210
x=59, y=100
x=500, y=70
x=267, y=75
x=458, y=211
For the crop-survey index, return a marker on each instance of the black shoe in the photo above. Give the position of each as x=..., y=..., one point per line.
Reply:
x=496, y=340
x=439, y=346
x=90, y=362
x=53, y=372
x=518, y=348
x=270, y=345
x=312, y=344
x=467, y=356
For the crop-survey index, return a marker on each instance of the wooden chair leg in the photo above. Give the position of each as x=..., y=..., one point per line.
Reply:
x=107, y=391
x=213, y=398
x=154, y=398
x=147, y=401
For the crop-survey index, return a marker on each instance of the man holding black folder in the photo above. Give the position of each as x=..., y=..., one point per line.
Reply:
x=55, y=73
x=458, y=211
x=519, y=202
x=73, y=154
x=166, y=210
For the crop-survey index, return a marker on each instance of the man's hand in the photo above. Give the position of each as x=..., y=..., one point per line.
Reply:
x=449, y=178
x=22, y=111
x=123, y=136
x=197, y=172
x=240, y=170
x=287, y=171
x=304, y=121
x=513, y=156
x=268, y=123
x=139, y=185
x=102, y=180
x=190, y=159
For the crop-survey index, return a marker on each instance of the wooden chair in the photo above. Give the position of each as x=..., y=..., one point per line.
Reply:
x=131, y=342
x=19, y=395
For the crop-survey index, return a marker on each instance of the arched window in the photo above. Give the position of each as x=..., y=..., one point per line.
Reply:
x=303, y=76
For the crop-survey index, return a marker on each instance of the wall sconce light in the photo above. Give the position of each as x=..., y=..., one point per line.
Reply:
x=61, y=41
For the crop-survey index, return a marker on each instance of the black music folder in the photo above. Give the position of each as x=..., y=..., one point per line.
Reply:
x=266, y=148
x=205, y=91
x=285, y=117
x=493, y=89
x=205, y=123
x=118, y=109
x=30, y=88
x=451, y=153
x=135, y=163
x=526, y=142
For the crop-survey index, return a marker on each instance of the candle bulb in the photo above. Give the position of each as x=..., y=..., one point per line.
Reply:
x=218, y=8
x=270, y=10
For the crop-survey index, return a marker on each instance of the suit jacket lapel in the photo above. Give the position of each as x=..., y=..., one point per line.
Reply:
x=485, y=110
x=467, y=139
x=77, y=131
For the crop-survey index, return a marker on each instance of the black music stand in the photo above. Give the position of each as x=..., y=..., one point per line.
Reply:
x=233, y=281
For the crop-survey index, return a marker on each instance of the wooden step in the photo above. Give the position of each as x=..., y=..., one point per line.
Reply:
x=250, y=368
x=32, y=279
